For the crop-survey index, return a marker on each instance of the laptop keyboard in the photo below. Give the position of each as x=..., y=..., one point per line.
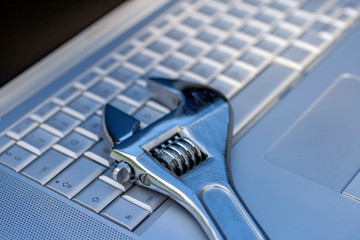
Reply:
x=223, y=44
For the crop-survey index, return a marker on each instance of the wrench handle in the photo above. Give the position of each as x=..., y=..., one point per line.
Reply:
x=228, y=214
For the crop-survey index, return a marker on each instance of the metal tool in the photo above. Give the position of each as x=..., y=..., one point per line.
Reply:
x=184, y=155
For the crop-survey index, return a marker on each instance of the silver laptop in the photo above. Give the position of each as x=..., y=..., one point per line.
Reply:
x=290, y=69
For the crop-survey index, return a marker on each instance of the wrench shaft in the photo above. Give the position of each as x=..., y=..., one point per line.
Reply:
x=228, y=214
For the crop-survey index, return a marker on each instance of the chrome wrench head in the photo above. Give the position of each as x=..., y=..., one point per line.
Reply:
x=184, y=155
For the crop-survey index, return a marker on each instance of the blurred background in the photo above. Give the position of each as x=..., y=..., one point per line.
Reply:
x=32, y=29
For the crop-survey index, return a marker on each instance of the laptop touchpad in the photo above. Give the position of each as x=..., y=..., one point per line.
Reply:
x=323, y=145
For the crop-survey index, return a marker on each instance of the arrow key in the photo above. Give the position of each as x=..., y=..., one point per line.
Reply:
x=97, y=195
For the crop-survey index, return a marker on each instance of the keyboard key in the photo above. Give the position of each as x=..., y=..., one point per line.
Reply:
x=47, y=166
x=266, y=18
x=147, y=115
x=251, y=30
x=107, y=177
x=159, y=47
x=235, y=43
x=82, y=107
x=224, y=25
x=282, y=32
x=208, y=37
x=123, y=76
x=224, y=87
x=208, y=10
x=101, y=154
x=254, y=3
x=220, y=56
x=204, y=70
x=124, y=51
x=67, y=95
x=43, y=113
x=145, y=36
x=177, y=12
x=141, y=60
x=312, y=38
x=282, y=7
x=297, y=20
x=60, y=124
x=192, y=22
x=176, y=35
x=38, y=141
x=102, y=92
x=91, y=128
x=87, y=80
x=5, y=142
x=125, y=213
x=22, y=128
x=137, y=94
x=74, y=145
x=162, y=24
x=239, y=13
x=313, y=6
x=253, y=59
x=268, y=45
x=174, y=63
x=191, y=50
x=145, y=198
x=273, y=80
x=126, y=108
x=75, y=177
x=107, y=64
x=320, y=26
x=16, y=158
x=97, y=195
x=296, y=54
x=156, y=74
x=237, y=73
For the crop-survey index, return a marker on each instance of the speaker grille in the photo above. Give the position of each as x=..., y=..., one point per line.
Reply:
x=28, y=213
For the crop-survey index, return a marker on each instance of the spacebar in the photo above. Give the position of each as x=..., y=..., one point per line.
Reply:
x=258, y=95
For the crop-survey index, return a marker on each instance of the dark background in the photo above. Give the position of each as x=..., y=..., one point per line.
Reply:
x=32, y=29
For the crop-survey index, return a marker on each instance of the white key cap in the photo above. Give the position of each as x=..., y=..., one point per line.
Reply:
x=144, y=198
x=43, y=113
x=101, y=154
x=75, y=177
x=97, y=195
x=147, y=115
x=125, y=213
x=295, y=57
x=60, y=124
x=22, y=128
x=136, y=95
x=66, y=96
x=5, y=142
x=74, y=145
x=16, y=158
x=102, y=92
x=259, y=94
x=38, y=141
x=91, y=128
x=126, y=108
x=225, y=87
x=47, y=166
x=87, y=80
x=107, y=177
x=82, y=107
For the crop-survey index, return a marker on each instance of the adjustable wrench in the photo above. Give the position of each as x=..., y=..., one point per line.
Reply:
x=184, y=155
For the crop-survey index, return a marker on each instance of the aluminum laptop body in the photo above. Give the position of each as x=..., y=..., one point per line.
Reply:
x=290, y=70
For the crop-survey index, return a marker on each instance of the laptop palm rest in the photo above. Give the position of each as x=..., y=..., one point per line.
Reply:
x=323, y=145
